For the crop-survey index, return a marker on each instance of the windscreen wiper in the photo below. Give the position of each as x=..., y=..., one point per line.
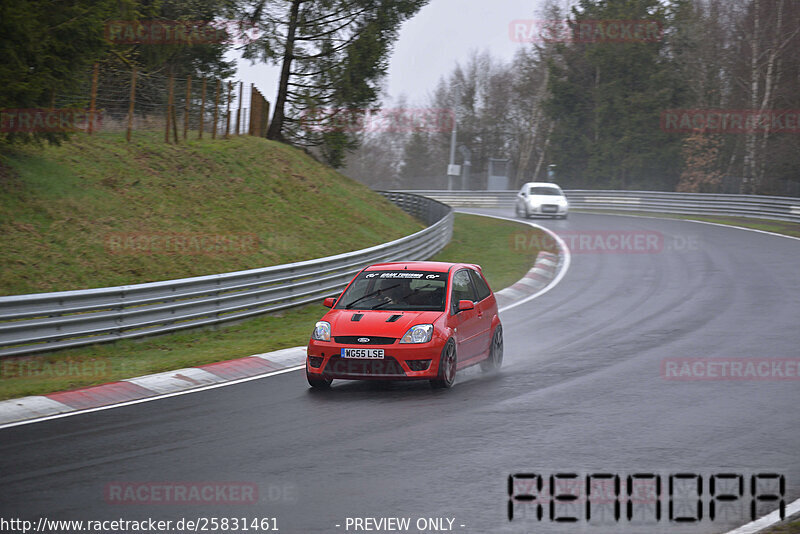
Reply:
x=368, y=295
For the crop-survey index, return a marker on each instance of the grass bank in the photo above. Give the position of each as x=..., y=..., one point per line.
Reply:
x=98, y=211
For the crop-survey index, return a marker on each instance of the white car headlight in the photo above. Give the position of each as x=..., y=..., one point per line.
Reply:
x=420, y=333
x=322, y=331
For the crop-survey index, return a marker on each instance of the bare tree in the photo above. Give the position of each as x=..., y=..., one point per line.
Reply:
x=767, y=36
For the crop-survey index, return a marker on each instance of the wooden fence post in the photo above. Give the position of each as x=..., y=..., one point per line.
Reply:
x=93, y=99
x=174, y=122
x=252, y=104
x=186, y=108
x=239, y=110
x=265, y=117
x=228, y=112
x=131, y=101
x=202, y=109
x=170, y=97
x=216, y=112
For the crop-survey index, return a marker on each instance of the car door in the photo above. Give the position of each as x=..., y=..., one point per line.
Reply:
x=485, y=307
x=466, y=324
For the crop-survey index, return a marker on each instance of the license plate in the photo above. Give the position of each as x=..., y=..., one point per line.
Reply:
x=549, y=209
x=370, y=354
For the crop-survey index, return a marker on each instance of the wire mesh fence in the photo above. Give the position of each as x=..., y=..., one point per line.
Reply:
x=118, y=98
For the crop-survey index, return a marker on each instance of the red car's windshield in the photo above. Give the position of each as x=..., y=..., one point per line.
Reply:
x=400, y=290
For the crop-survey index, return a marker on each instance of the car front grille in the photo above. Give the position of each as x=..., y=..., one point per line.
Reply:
x=373, y=340
x=388, y=366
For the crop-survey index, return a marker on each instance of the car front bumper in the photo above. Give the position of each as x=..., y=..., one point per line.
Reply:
x=547, y=209
x=400, y=361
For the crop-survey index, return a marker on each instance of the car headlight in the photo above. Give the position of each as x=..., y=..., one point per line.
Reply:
x=421, y=333
x=322, y=331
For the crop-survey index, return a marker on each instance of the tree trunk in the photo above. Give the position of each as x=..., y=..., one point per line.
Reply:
x=594, y=103
x=529, y=142
x=276, y=126
x=544, y=152
x=772, y=82
x=750, y=143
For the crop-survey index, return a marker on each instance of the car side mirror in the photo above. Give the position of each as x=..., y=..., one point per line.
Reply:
x=464, y=305
x=524, y=194
x=329, y=302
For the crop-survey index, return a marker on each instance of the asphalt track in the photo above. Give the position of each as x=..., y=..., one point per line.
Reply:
x=581, y=391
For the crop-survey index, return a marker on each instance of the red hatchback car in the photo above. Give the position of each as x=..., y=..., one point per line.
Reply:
x=407, y=321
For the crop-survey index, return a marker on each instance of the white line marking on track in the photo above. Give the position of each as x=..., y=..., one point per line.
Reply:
x=148, y=399
x=738, y=227
x=766, y=521
x=561, y=245
x=693, y=221
x=773, y=517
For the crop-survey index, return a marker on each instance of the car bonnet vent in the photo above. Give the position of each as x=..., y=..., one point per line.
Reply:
x=393, y=318
x=356, y=317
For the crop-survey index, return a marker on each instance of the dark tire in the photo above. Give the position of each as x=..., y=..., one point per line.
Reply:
x=318, y=383
x=447, y=367
x=495, y=360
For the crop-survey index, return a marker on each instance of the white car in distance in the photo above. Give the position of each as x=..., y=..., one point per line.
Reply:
x=541, y=198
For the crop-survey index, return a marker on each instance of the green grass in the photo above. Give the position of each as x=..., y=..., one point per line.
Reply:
x=475, y=240
x=787, y=528
x=64, y=210
x=779, y=227
x=491, y=244
x=97, y=364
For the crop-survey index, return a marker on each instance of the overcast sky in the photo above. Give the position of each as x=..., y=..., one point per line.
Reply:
x=430, y=44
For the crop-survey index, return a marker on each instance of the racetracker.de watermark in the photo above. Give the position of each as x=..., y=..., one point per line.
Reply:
x=585, y=31
x=203, y=493
x=181, y=243
x=730, y=121
x=40, y=120
x=730, y=369
x=604, y=241
x=180, y=32
x=389, y=120
x=97, y=367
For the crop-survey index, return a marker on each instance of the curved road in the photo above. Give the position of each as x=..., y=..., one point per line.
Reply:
x=581, y=391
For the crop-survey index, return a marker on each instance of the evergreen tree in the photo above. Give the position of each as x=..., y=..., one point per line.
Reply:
x=606, y=98
x=417, y=160
x=47, y=46
x=332, y=55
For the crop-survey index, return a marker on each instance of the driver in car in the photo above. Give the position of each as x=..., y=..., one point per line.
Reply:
x=396, y=293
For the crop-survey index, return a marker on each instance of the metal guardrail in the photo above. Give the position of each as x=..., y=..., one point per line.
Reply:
x=47, y=321
x=751, y=206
